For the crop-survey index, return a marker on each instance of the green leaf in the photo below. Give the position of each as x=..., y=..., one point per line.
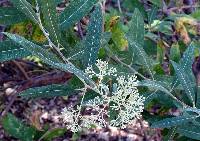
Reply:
x=92, y=41
x=17, y=129
x=132, y=4
x=157, y=2
x=188, y=58
x=186, y=63
x=50, y=16
x=159, y=96
x=190, y=131
x=174, y=121
x=175, y=53
x=34, y=49
x=71, y=68
x=75, y=11
x=10, y=50
x=157, y=86
x=26, y=8
x=47, y=91
x=171, y=134
x=135, y=38
x=152, y=15
x=142, y=57
x=48, y=57
x=10, y=15
x=185, y=82
x=136, y=29
x=53, y=133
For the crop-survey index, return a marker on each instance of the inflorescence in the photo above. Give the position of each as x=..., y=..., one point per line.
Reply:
x=116, y=105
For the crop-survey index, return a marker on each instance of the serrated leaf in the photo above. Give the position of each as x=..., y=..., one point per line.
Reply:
x=10, y=15
x=190, y=131
x=26, y=8
x=47, y=91
x=174, y=121
x=17, y=129
x=185, y=82
x=10, y=50
x=75, y=11
x=50, y=16
x=92, y=41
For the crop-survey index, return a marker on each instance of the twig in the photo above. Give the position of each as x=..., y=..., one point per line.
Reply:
x=119, y=6
x=128, y=66
x=169, y=10
x=183, y=7
x=21, y=69
x=46, y=34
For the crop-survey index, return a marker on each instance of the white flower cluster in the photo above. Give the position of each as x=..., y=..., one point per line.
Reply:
x=124, y=99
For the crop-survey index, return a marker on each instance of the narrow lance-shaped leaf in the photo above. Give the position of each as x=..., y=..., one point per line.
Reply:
x=174, y=121
x=136, y=28
x=50, y=16
x=92, y=41
x=152, y=15
x=186, y=63
x=10, y=15
x=34, y=49
x=75, y=11
x=9, y=50
x=135, y=38
x=48, y=57
x=157, y=86
x=185, y=82
x=190, y=131
x=47, y=91
x=26, y=8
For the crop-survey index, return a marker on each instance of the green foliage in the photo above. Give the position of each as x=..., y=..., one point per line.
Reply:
x=189, y=130
x=135, y=37
x=50, y=16
x=9, y=50
x=135, y=41
x=53, y=133
x=75, y=11
x=48, y=91
x=185, y=82
x=174, y=121
x=92, y=41
x=26, y=8
x=10, y=15
x=17, y=129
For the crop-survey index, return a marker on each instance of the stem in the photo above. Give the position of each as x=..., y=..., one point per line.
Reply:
x=46, y=34
x=119, y=6
x=129, y=67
